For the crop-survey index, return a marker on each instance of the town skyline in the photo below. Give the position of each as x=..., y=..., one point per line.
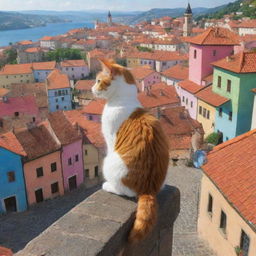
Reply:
x=96, y=5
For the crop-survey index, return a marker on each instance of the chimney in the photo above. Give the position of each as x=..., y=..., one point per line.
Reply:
x=31, y=125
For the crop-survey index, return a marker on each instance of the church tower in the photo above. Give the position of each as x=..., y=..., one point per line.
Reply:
x=188, y=24
x=109, y=19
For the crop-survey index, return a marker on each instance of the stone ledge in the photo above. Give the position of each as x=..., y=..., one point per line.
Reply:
x=100, y=226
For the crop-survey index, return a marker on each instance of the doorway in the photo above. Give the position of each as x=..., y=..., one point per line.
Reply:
x=72, y=183
x=10, y=204
x=39, y=195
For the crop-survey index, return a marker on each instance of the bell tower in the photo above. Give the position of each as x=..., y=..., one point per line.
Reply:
x=188, y=24
x=109, y=19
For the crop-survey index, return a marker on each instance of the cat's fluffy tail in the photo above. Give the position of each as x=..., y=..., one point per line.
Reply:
x=145, y=218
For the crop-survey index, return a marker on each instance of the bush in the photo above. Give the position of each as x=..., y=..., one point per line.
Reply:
x=213, y=138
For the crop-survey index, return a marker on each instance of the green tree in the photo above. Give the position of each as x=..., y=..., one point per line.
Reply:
x=11, y=56
x=64, y=54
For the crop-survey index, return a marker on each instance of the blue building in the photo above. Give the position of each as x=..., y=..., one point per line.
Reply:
x=41, y=70
x=59, y=91
x=12, y=184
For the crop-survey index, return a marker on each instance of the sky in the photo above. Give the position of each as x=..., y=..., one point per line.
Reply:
x=114, y=5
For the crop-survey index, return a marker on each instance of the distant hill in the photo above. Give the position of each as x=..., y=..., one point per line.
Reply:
x=243, y=8
x=16, y=20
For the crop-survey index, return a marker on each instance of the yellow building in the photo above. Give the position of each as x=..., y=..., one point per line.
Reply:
x=206, y=108
x=227, y=212
x=133, y=62
x=16, y=73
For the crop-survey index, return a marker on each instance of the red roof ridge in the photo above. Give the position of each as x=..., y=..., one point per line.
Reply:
x=232, y=141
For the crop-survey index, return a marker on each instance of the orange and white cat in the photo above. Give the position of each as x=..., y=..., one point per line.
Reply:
x=137, y=149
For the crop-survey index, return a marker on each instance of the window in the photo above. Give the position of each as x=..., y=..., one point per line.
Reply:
x=229, y=86
x=230, y=116
x=87, y=173
x=245, y=243
x=57, y=106
x=86, y=152
x=56, y=100
x=183, y=99
x=223, y=222
x=56, y=93
x=66, y=69
x=210, y=202
x=208, y=114
x=220, y=112
x=204, y=112
x=72, y=69
x=77, y=158
x=219, y=82
x=96, y=171
x=191, y=104
x=16, y=114
x=62, y=98
x=200, y=110
x=186, y=101
x=11, y=176
x=59, y=93
x=195, y=54
x=90, y=117
x=227, y=138
x=39, y=172
x=55, y=187
x=214, y=53
x=53, y=167
x=33, y=119
x=70, y=161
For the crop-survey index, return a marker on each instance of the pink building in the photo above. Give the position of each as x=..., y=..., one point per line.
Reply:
x=145, y=77
x=42, y=166
x=71, y=153
x=212, y=45
x=75, y=69
x=93, y=110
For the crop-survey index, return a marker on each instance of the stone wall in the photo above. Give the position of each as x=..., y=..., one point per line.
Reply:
x=100, y=226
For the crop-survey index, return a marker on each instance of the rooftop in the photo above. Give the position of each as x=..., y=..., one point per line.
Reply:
x=57, y=80
x=231, y=167
x=84, y=85
x=179, y=72
x=190, y=86
x=94, y=107
x=73, y=63
x=142, y=72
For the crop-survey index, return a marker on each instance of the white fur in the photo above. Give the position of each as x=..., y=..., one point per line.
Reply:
x=121, y=102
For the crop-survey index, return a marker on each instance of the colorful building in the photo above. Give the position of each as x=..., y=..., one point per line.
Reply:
x=83, y=90
x=75, y=69
x=59, y=91
x=254, y=110
x=42, y=69
x=93, y=110
x=12, y=185
x=234, y=78
x=228, y=197
x=71, y=153
x=42, y=164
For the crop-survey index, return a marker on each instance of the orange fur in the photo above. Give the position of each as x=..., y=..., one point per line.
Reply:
x=142, y=145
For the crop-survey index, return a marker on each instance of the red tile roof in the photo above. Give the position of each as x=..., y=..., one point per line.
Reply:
x=231, y=167
x=179, y=72
x=243, y=62
x=73, y=63
x=23, y=104
x=160, y=95
x=48, y=65
x=215, y=36
x=32, y=50
x=208, y=96
x=10, y=142
x=91, y=130
x=25, y=42
x=13, y=69
x=190, y=86
x=63, y=128
x=142, y=72
x=38, y=141
x=57, y=80
x=94, y=107
x=84, y=85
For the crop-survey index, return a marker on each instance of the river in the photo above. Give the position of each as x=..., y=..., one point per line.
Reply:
x=36, y=33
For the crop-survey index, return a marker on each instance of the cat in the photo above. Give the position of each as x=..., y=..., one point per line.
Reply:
x=137, y=156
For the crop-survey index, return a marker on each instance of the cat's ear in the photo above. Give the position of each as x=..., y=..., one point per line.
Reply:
x=106, y=66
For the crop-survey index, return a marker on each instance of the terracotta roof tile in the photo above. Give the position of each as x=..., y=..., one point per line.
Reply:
x=190, y=86
x=94, y=107
x=159, y=95
x=57, y=80
x=33, y=49
x=231, y=166
x=73, y=63
x=10, y=142
x=13, y=69
x=243, y=62
x=63, y=128
x=142, y=72
x=25, y=42
x=179, y=72
x=84, y=85
x=91, y=130
x=48, y=65
x=208, y=96
x=215, y=36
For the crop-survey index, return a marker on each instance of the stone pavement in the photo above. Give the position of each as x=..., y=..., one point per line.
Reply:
x=185, y=239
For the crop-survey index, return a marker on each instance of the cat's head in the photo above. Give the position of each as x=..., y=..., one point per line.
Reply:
x=113, y=80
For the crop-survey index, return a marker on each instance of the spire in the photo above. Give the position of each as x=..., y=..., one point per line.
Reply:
x=188, y=10
x=109, y=14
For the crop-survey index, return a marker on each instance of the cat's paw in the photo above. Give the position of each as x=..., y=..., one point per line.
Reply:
x=109, y=188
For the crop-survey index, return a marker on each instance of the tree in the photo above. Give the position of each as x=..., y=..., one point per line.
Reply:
x=11, y=56
x=64, y=54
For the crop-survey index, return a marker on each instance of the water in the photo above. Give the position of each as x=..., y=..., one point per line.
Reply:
x=36, y=33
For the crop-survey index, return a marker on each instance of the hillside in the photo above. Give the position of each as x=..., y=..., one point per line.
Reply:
x=241, y=8
x=15, y=20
